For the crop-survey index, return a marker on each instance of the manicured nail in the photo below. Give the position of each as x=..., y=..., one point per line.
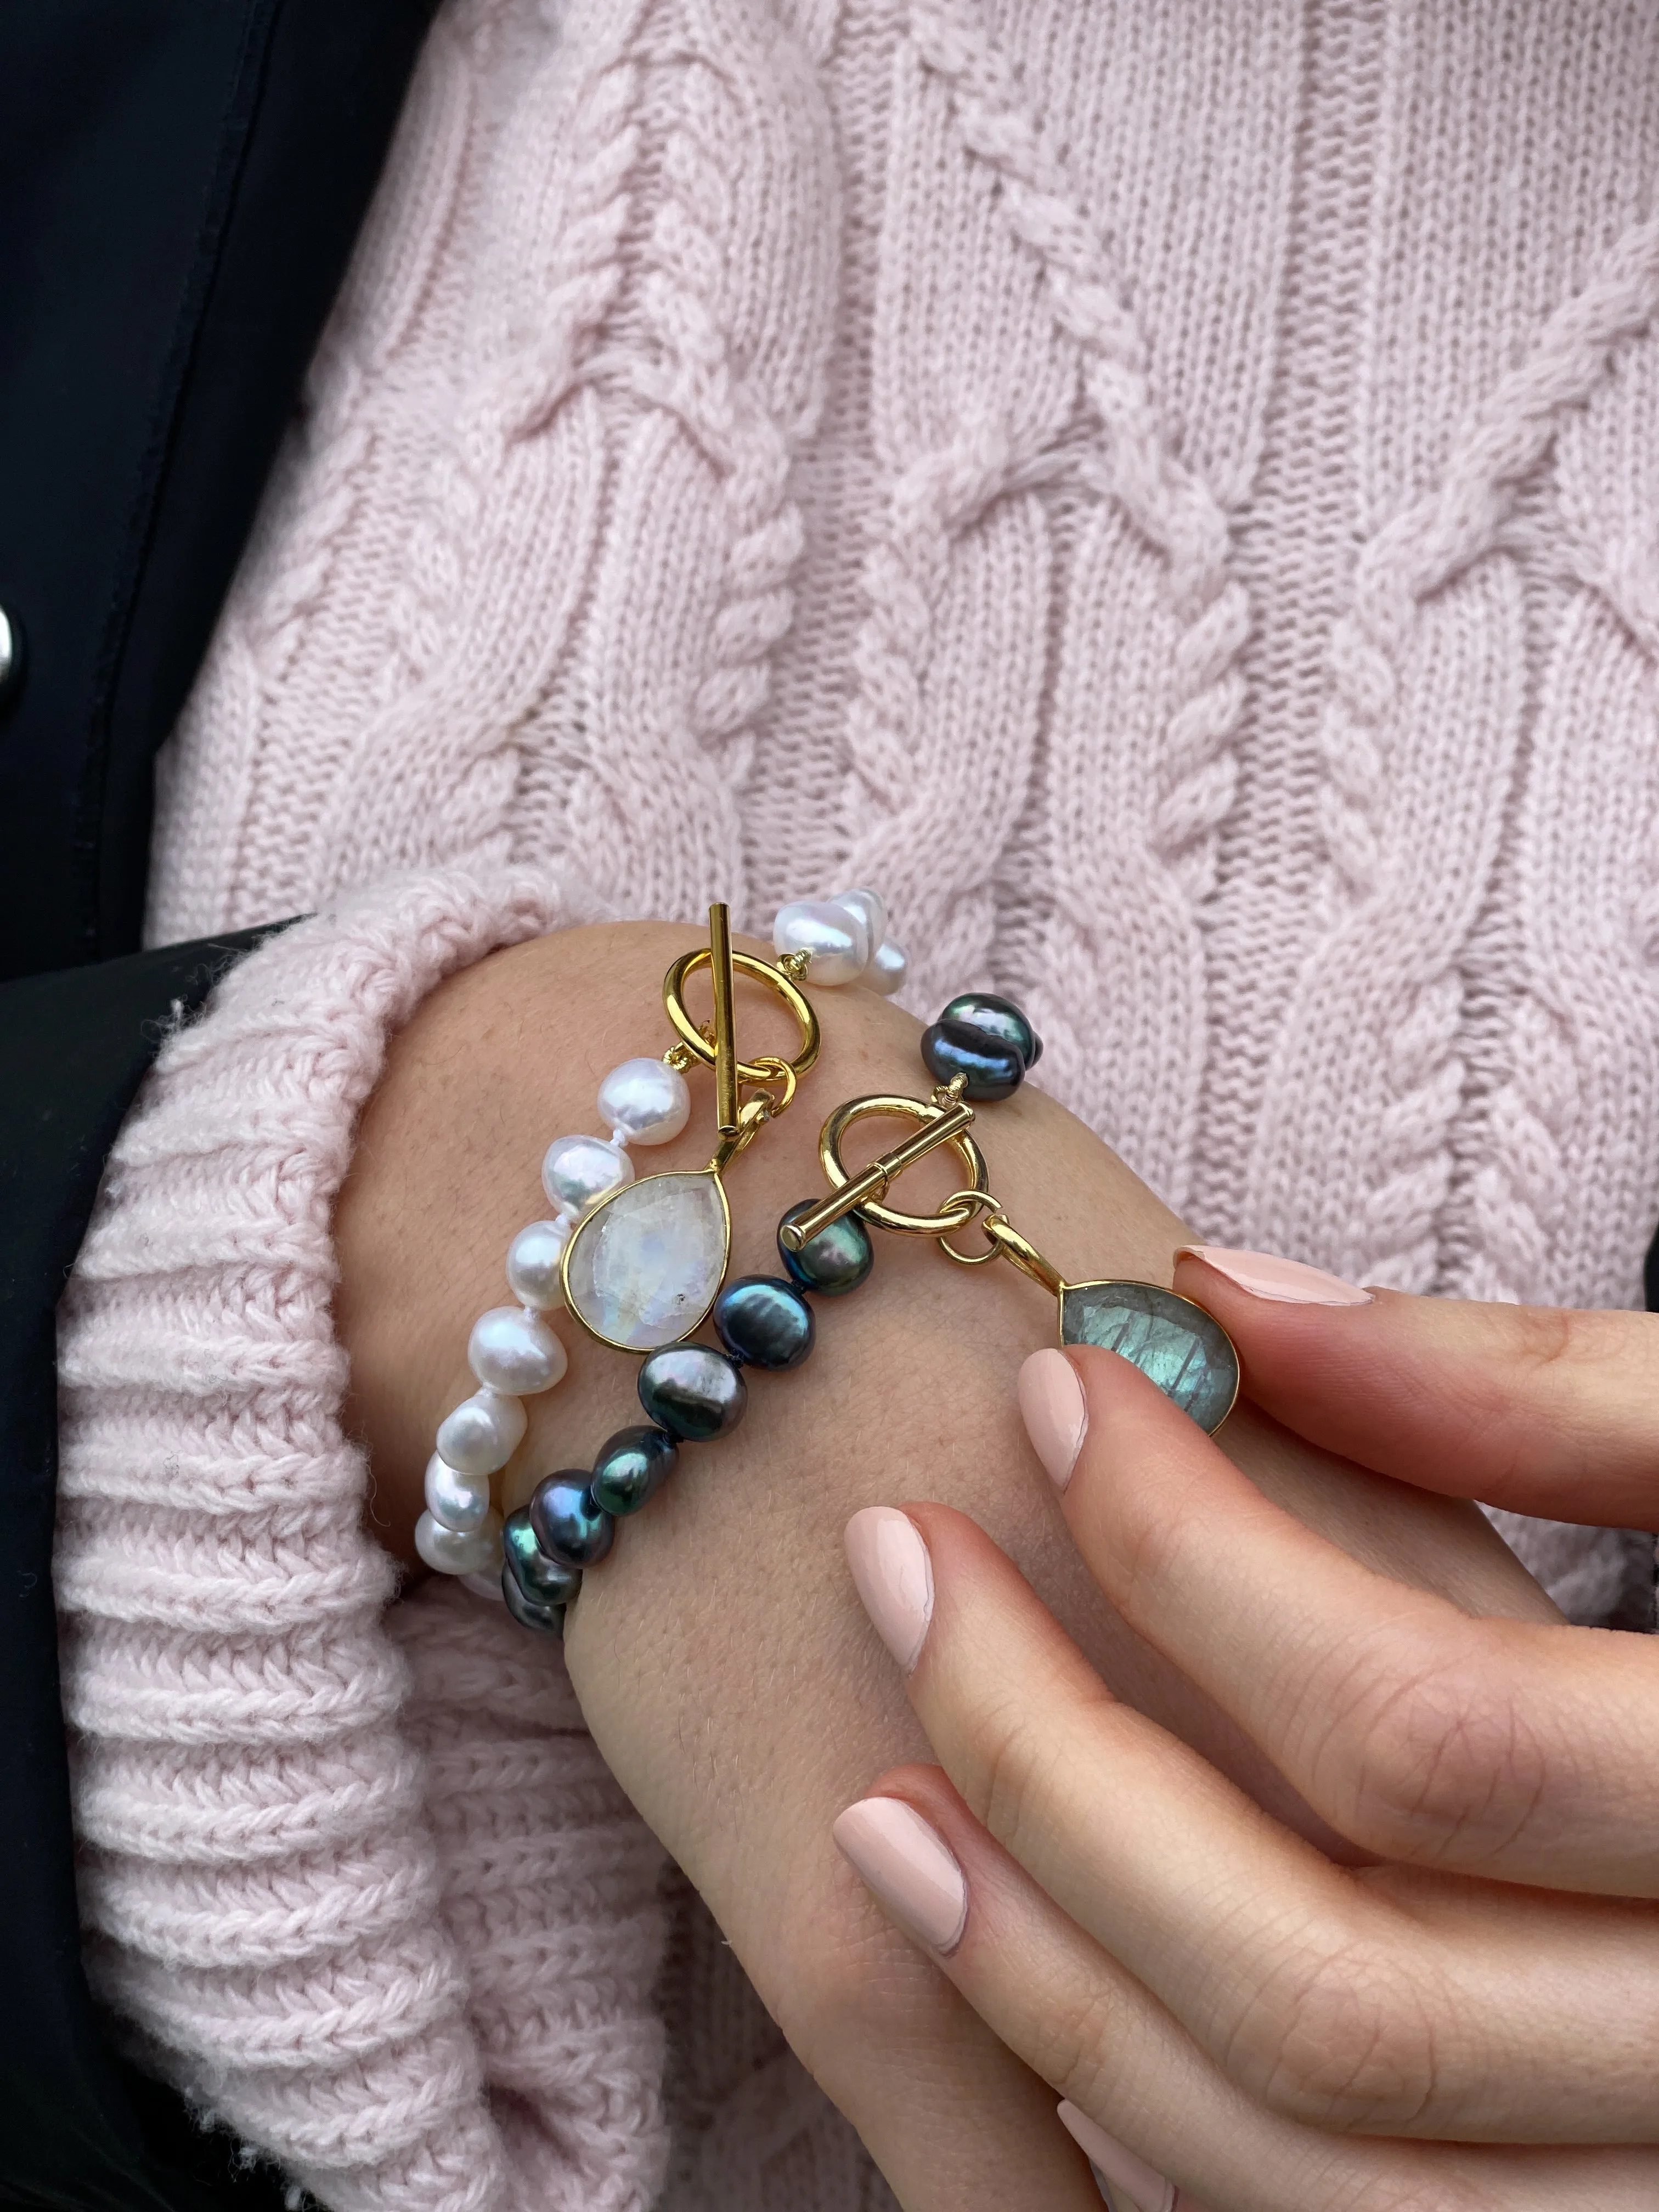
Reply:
x=895, y=1578
x=1290, y=1282
x=1052, y=1407
x=1117, y=2168
x=910, y=1867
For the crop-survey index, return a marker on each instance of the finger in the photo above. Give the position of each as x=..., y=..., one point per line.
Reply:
x=956, y=2121
x=1328, y=1999
x=1498, y=1747
x=1536, y=1410
x=1104, y=2043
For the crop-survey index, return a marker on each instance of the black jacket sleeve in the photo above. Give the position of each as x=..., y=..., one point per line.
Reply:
x=181, y=182
x=78, y=2130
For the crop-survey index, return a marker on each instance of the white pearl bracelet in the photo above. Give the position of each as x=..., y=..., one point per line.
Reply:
x=513, y=1351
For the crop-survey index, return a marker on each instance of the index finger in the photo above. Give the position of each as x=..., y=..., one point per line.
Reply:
x=1533, y=1408
x=1499, y=1747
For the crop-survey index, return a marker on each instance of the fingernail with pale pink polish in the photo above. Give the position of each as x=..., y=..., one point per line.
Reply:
x=895, y=1578
x=1132, y=2181
x=910, y=1867
x=1288, y=1282
x=1051, y=1405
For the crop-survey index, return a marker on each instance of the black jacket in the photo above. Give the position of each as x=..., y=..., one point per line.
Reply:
x=180, y=184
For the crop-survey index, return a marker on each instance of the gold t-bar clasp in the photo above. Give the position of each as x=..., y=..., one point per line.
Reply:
x=945, y=1118
x=715, y=1044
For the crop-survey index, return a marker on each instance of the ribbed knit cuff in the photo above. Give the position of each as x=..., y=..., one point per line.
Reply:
x=344, y=1883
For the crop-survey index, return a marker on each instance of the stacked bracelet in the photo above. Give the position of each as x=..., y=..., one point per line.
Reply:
x=694, y=1393
x=591, y=1257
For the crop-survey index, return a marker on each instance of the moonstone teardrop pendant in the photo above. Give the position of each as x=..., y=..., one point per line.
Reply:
x=643, y=1268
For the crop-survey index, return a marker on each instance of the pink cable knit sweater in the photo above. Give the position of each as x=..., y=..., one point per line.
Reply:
x=1167, y=491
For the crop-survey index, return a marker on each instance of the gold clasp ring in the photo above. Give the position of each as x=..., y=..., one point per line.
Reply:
x=940, y=1122
x=700, y=1047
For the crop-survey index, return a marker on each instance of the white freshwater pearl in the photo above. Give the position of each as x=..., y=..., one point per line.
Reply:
x=515, y=1352
x=458, y=1552
x=648, y=1100
x=578, y=1172
x=835, y=936
x=485, y=1585
x=887, y=969
x=483, y=1433
x=532, y=1263
x=455, y=1501
x=868, y=904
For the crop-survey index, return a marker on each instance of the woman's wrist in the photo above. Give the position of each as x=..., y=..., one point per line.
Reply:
x=494, y=1064
x=510, y=1053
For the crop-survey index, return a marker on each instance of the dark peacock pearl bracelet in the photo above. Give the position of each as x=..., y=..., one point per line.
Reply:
x=979, y=1047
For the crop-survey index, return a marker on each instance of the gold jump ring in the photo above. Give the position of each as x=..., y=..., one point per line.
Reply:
x=988, y=1210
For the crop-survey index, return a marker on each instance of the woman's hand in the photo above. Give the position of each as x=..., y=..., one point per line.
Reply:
x=719, y=1654
x=1270, y=2031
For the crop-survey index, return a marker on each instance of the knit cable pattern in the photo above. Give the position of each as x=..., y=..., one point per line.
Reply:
x=1171, y=505
x=500, y=557
x=1434, y=639
x=1182, y=699
x=353, y=1890
x=1581, y=1057
x=713, y=377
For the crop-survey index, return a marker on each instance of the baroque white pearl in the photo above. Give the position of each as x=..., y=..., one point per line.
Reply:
x=578, y=1172
x=887, y=969
x=459, y=1551
x=532, y=1262
x=485, y=1585
x=516, y=1352
x=646, y=1099
x=868, y=904
x=838, y=937
x=483, y=1433
x=455, y=1500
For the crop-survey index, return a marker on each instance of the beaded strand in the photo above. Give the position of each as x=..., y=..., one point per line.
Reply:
x=514, y=1354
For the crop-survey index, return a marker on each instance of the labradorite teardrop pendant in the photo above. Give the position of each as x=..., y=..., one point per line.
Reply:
x=1174, y=1343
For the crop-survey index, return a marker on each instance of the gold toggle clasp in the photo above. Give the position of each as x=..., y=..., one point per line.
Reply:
x=945, y=1119
x=715, y=1043
x=1182, y=1348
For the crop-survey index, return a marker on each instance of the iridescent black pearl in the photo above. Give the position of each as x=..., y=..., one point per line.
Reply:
x=632, y=1466
x=996, y=1017
x=991, y=1069
x=839, y=1258
x=569, y=1523
x=538, y=1579
x=693, y=1392
x=528, y=1612
x=764, y=1322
